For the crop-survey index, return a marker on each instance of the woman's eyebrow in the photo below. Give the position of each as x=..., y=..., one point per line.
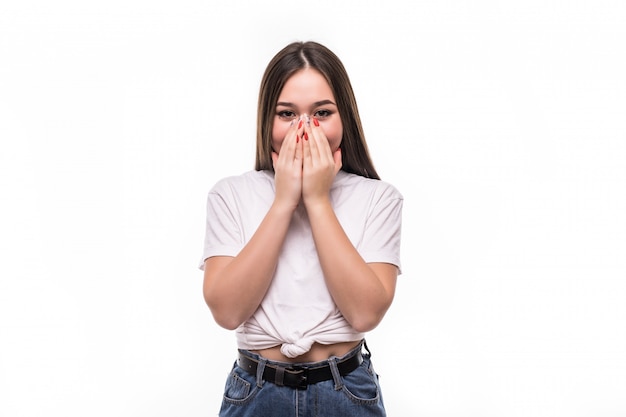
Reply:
x=323, y=103
x=316, y=104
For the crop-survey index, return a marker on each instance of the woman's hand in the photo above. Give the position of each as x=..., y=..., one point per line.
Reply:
x=288, y=167
x=320, y=164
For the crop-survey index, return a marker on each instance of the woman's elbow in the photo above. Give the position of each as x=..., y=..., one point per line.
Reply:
x=224, y=317
x=367, y=319
x=226, y=322
x=364, y=323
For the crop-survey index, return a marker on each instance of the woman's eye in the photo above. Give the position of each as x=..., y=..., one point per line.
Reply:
x=286, y=114
x=321, y=114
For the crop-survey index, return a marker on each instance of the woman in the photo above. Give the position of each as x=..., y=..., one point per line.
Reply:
x=301, y=255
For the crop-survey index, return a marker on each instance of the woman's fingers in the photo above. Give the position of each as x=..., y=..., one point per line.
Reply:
x=288, y=168
x=320, y=166
x=288, y=147
x=316, y=144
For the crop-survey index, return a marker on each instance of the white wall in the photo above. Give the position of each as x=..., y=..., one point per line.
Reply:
x=503, y=124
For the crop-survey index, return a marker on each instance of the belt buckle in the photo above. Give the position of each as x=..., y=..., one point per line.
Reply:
x=303, y=377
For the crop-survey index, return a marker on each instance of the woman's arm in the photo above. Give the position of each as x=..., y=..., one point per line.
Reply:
x=235, y=286
x=363, y=292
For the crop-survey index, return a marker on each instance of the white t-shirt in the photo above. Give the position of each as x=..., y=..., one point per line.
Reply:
x=298, y=309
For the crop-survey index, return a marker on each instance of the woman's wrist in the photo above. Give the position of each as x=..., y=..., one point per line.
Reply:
x=283, y=207
x=317, y=205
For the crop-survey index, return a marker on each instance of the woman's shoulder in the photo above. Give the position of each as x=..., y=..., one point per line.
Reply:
x=248, y=180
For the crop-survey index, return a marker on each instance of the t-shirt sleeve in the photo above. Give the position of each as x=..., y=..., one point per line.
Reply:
x=381, y=240
x=223, y=235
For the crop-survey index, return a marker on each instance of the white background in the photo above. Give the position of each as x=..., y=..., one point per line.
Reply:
x=503, y=124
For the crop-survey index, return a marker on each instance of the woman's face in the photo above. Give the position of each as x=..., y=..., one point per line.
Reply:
x=307, y=93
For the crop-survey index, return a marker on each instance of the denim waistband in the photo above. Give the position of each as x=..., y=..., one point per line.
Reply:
x=300, y=375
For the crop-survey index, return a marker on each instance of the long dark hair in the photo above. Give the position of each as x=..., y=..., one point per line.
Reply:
x=291, y=59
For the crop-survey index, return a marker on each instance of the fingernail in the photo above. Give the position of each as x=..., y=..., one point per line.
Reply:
x=306, y=136
x=315, y=122
x=300, y=124
x=297, y=139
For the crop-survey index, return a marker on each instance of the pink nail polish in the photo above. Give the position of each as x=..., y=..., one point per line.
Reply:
x=315, y=122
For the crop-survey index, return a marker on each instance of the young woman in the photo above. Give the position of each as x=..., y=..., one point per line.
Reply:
x=301, y=255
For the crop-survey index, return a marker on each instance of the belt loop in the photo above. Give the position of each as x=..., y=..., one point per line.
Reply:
x=364, y=344
x=259, y=372
x=280, y=376
x=332, y=362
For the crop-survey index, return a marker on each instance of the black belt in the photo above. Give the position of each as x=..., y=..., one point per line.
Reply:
x=299, y=376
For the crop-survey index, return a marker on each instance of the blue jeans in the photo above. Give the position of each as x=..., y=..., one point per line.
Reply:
x=356, y=394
